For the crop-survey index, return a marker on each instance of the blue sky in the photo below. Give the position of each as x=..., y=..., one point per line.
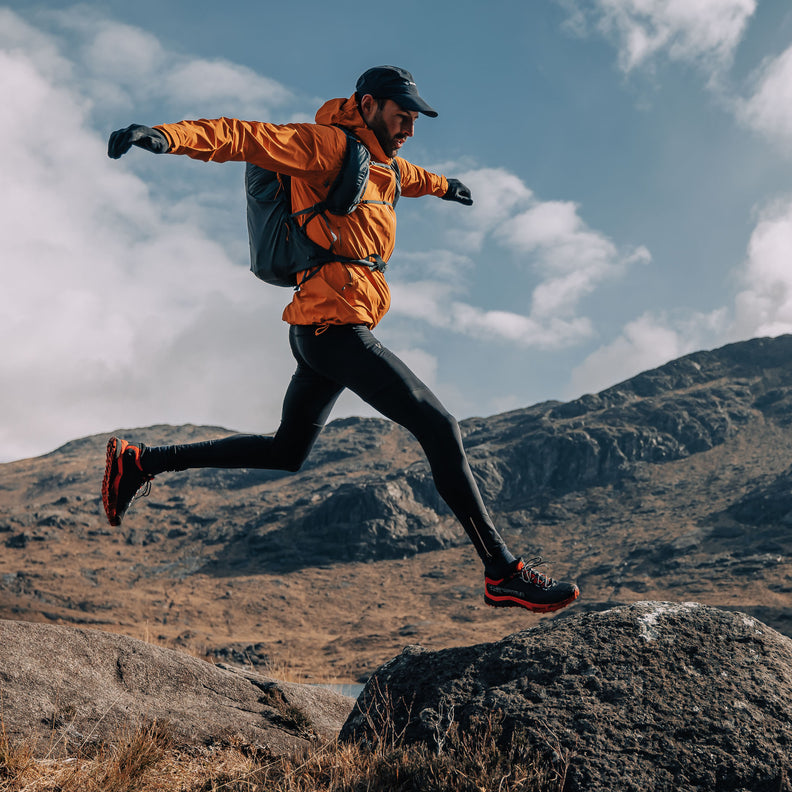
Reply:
x=630, y=161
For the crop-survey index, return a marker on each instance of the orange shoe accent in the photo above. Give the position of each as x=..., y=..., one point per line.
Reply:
x=114, y=472
x=510, y=602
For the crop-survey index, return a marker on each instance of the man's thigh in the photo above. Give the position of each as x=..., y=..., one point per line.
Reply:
x=351, y=356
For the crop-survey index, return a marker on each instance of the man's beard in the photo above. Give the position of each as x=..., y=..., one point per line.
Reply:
x=378, y=127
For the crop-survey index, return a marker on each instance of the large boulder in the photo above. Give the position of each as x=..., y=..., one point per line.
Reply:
x=648, y=696
x=72, y=687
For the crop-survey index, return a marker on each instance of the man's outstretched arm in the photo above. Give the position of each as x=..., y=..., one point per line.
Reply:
x=136, y=135
x=310, y=151
x=417, y=181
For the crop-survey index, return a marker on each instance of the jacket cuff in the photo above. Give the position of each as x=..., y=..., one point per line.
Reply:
x=172, y=142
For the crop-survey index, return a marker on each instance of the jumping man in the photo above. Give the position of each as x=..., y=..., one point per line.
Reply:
x=332, y=313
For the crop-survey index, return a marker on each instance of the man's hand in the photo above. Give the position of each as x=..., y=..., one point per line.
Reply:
x=136, y=135
x=458, y=192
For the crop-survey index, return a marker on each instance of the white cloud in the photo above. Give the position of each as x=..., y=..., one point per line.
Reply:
x=422, y=363
x=433, y=303
x=645, y=343
x=550, y=236
x=548, y=239
x=702, y=31
x=112, y=313
x=769, y=109
x=552, y=333
x=545, y=225
x=423, y=299
x=764, y=306
x=573, y=258
x=18, y=38
x=497, y=194
x=205, y=82
x=126, y=67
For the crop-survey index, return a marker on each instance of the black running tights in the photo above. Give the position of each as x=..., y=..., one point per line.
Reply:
x=329, y=359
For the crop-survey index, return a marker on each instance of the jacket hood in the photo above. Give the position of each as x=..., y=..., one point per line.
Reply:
x=345, y=113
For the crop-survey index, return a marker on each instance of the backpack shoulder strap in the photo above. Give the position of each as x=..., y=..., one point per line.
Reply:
x=348, y=187
x=395, y=166
x=346, y=191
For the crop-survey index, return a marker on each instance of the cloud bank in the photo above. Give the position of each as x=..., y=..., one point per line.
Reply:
x=761, y=307
x=705, y=32
x=566, y=258
x=117, y=310
x=768, y=109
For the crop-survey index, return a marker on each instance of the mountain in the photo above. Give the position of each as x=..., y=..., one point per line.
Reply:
x=675, y=484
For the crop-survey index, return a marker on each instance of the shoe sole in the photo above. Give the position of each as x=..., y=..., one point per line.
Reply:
x=110, y=483
x=534, y=607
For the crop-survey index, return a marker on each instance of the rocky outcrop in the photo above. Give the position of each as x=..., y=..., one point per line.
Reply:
x=374, y=519
x=685, y=407
x=650, y=696
x=70, y=688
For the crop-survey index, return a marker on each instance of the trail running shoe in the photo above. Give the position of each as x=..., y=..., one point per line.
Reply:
x=524, y=587
x=123, y=478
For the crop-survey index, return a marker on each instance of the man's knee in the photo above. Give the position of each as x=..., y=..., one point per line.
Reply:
x=291, y=452
x=292, y=461
x=440, y=422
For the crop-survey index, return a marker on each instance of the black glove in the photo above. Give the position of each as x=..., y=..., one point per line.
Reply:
x=136, y=135
x=458, y=192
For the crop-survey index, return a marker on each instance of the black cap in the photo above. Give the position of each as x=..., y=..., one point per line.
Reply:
x=391, y=82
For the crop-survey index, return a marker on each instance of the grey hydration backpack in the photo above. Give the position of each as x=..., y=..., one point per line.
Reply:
x=280, y=250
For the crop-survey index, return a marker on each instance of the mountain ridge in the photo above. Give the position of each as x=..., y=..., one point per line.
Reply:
x=675, y=482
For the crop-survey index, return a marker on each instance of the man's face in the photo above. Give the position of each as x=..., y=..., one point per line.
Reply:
x=391, y=124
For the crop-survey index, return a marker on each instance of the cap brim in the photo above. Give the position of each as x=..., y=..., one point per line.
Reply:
x=409, y=102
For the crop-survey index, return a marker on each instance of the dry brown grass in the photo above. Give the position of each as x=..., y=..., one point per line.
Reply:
x=146, y=761
x=115, y=767
x=15, y=760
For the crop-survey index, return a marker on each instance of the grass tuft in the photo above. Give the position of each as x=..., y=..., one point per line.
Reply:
x=15, y=760
x=145, y=761
x=121, y=766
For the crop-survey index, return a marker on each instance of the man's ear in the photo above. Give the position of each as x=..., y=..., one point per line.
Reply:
x=368, y=105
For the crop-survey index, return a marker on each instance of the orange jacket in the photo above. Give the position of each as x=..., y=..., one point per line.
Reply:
x=311, y=154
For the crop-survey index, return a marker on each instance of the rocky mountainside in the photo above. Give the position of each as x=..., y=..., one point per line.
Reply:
x=675, y=484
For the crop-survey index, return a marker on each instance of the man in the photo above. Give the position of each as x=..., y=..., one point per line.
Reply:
x=333, y=311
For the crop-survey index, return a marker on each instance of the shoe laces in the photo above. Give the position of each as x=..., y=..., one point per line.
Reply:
x=530, y=575
x=145, y=489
